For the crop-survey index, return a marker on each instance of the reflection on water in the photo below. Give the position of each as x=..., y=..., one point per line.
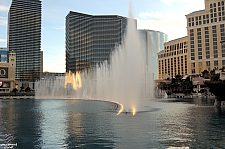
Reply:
x=193, y=123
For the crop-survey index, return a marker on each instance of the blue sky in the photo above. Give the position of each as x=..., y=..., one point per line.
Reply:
x=167, y=16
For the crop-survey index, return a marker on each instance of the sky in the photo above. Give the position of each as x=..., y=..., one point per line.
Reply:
x=167, y=16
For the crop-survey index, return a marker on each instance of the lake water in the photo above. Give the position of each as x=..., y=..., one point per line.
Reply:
x=164, y=123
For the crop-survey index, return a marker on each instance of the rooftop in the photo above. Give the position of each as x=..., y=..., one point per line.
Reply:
x=195, y=12
x=176, y=39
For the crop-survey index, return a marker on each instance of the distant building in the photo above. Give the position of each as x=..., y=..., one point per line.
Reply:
x=203, y=48
x=24, y=38
x=206, y=32
x=152, y=42
x=52, y=75
x=4, y=55
x=90, y=39
x=173, y=60
x=7, y=71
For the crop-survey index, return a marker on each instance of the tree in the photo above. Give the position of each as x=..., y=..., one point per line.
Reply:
x=28, y=89
x=15, y=90
x=21, y=88
x=205, y=74
x=216, y=86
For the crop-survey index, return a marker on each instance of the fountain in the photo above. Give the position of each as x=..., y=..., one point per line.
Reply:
x=126, y=80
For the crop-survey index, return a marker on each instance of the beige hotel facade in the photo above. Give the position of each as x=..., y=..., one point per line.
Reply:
x=202, y=49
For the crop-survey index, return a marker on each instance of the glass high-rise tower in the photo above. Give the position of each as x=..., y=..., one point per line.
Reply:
x=24, y=37
x=90, y=39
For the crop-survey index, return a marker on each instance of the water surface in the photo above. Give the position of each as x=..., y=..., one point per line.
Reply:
x=94, y=124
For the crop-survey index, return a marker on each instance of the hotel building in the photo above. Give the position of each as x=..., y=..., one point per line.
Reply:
x=90, y=39
x=206, y=31
x=152, y=42
x=173, y=59
x=24, y=38
x=7, y=70
x=204, y=47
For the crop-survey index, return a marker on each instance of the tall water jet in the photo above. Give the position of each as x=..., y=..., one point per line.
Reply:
x=125, y=79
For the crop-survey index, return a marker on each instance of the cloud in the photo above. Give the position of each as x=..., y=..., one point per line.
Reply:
x=3, y=8
x=171, y=21
x=54, y=63
x=169, y=2
x=161, y=15
x=59, y=28
x=173, y=29
x=3, y=40
x=3, y=20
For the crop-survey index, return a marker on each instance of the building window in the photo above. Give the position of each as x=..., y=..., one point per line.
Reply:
x=215, y=63
x=223, y=62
